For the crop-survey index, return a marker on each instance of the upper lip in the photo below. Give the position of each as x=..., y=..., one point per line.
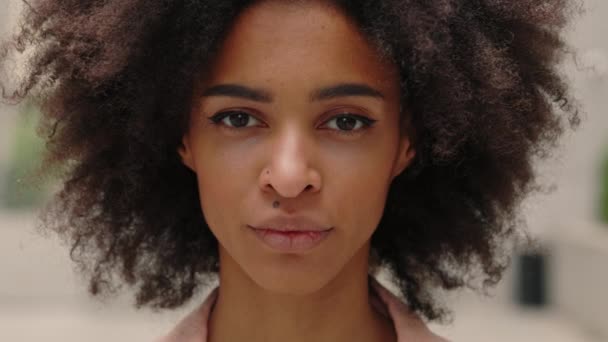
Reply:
x=283, y=223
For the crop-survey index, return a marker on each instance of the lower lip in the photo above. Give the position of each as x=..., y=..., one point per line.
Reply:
x=292, y=241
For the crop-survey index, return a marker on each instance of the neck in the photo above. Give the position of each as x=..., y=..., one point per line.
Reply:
x=339, y=311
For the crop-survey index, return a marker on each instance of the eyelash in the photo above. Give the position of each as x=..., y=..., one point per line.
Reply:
x=367, y=122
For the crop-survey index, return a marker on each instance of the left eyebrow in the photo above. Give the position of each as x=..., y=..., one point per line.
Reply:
x=345, y=89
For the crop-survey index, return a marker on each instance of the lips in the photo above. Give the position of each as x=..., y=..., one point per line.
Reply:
x=291, y=234
x=292, y=224
x=291, y=241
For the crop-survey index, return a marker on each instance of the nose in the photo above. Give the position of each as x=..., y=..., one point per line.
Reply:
x=288, y=171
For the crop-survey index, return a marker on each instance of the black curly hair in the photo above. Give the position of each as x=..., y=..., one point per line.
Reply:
x=114, y=81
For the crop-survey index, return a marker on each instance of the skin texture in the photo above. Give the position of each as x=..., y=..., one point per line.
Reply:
x=293, y=150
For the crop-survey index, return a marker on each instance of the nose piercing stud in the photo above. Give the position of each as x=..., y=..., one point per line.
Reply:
x=275, y=204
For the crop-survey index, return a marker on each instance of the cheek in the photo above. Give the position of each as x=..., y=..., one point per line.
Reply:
x=359, y=186
x=223, y=182
x=362, y=196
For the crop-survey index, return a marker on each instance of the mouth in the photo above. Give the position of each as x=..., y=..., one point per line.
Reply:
x=291, y=241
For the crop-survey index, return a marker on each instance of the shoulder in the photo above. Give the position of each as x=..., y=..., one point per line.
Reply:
x=429, y=337
x=412, y=328
x=408, y=325
x=193, y=327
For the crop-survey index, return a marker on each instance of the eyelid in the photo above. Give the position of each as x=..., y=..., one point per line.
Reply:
x=366, y=122
x=349, y=110
x=217, y=118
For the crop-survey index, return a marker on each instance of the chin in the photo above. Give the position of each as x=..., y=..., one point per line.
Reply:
x=292, y=280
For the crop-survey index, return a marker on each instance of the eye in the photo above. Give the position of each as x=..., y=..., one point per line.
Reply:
x=234, y=119
x=347, y=123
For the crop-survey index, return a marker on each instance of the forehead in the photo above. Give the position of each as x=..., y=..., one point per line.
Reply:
x=297, y=42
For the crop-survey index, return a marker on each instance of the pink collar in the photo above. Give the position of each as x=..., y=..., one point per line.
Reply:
x=408, y=326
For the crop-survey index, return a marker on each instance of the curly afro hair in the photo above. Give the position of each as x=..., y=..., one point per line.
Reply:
x=114, y=80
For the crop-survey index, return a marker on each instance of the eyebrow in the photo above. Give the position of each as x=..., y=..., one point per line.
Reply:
x=326, y=93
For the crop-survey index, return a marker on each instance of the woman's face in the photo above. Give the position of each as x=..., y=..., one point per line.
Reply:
x=307, y=114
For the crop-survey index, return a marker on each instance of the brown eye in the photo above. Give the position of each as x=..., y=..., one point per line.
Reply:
x=349, y=122
x=234, y=119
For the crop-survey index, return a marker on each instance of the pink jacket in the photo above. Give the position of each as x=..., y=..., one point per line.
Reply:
x=408, y=326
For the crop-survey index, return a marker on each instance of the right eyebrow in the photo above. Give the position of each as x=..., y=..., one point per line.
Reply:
x=236, y=90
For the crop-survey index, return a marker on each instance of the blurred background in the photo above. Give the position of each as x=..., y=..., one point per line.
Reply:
x=555, y=294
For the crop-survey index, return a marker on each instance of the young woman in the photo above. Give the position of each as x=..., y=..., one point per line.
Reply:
x=291, y=149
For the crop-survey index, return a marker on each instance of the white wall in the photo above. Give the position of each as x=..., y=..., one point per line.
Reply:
x=568, y=218
x=576, y=172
